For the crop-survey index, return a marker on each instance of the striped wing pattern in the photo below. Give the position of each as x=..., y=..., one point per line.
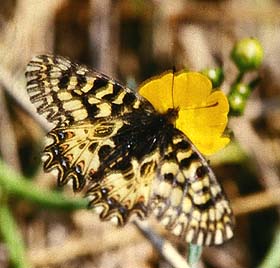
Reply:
x=110, y=142
x=187, y=198
x=65, y=92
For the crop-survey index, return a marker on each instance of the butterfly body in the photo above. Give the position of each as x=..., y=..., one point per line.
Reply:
x=130, y=158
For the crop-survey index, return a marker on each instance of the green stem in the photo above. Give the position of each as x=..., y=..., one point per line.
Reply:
x=239, y=78
x=12, y=238
x=194, y=253
x=255, y=82
x=272, y=259
x=231, y=154
x=14, y=184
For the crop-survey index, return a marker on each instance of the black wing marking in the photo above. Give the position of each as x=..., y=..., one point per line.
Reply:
x=187, y=198
x=67, y=92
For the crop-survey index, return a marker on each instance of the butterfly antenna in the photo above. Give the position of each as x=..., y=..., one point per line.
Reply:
x=172, y=86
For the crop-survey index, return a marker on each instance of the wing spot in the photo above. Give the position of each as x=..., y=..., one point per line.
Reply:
x=229, y=232
x=98, y=83
x=119, y=99
x=200, y=238
x=189, y=170
x=215, y=190
x=169, y=167
x=169, y=177
x=64, y=95
x=80, y=115
x=196, y=215
x=190, y=235
x=63, y=82
x=165, y=221
x=92, y=100
x=187, y=205
x=180, y=178
x=208, y=239
x=177, y=230
x=183, y=154
x=218, y=215
x=73, y=81
x=202, y=201
x=218, y=237
x=72, y=105
x=93, y=147
x=187, y=161
x=197, y=186
x=81, y=79
x=164, y=189
x=104, y=151
x=202, y=171
x=129, y=98
x=182, y=144
x=176, y=197
x=82, y=146
x=104, y=110
x=107, y=89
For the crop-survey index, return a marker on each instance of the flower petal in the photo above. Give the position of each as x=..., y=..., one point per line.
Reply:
x=191, y=89
x=202, y=114
x=158, y=91
x=205, y=124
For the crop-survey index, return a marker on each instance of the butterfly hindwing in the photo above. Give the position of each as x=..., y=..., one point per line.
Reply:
x=110, y=160
x=128, y=171
x=76, y=151
x=65, y=92
x=187, y=198
x=127, y=191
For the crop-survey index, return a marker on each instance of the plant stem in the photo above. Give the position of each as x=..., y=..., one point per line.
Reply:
x=12, y=237
x=194, y=253
x=272, y=259
x=15, y=184
x=239, y=77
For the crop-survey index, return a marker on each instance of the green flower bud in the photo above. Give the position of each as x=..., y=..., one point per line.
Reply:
x=237, y=103
x=216, y=75
x=247, y=54
x=242, y=89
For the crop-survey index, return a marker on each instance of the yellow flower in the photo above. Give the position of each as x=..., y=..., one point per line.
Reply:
x=202, y=113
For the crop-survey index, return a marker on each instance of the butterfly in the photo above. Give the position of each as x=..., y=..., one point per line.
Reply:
x=129, y=158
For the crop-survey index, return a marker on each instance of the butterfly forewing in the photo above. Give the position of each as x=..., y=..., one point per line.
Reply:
x=110, y=142
x=65, y=92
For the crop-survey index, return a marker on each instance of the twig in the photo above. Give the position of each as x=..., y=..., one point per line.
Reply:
x=77, y=246
x=14, y=86
x=251, y=143
x=208, y=13
x=256, y=202
x=28, y=32
x=101, y=34
x=8, y=143
x=163, y=246
x=222, y=258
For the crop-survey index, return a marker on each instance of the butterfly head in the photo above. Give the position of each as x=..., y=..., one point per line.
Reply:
x=172, y=115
